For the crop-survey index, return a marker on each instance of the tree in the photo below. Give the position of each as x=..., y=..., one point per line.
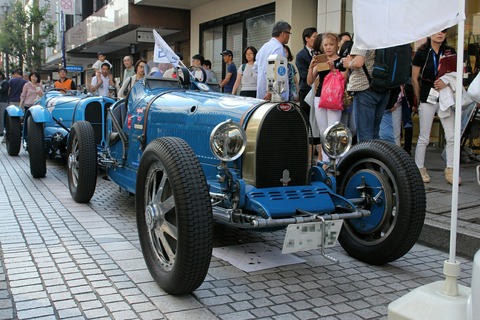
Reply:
x=26, y=32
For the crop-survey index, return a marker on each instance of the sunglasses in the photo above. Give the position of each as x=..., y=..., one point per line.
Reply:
x=444, y=31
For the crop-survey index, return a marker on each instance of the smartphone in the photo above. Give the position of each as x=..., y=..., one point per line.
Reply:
x=321, y=58
x=322, y=64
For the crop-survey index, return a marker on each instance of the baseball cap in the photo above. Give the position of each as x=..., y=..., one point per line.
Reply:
x=101, y=53
x=227, y=53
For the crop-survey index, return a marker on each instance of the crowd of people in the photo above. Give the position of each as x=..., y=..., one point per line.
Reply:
x=373, y=115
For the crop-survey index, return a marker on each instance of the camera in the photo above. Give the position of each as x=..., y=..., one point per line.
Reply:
x=343, y=52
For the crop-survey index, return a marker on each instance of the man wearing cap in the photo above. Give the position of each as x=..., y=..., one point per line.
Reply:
x=280, y=36
x=101, y=60
x=231, y=75
x=64, y=83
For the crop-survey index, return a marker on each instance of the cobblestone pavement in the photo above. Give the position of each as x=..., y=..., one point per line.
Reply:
x=64, y=260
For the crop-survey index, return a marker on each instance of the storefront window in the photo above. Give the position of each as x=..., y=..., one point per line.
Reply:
x=212, y=46
x=248, y=28
x=259, y=30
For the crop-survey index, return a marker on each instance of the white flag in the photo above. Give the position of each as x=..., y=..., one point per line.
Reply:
x=67, y=6
x=162, y=52
x=386, y=23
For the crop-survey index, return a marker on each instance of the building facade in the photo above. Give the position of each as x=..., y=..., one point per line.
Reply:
x=123, y=27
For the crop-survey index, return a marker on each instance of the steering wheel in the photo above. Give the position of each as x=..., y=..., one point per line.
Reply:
x=199, y=73
x=183, y=76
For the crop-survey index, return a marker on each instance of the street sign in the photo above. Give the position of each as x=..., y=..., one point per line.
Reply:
x=145, y=36
x=74, y=68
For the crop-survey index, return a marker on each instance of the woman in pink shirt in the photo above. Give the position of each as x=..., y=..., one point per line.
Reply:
x=32, y=91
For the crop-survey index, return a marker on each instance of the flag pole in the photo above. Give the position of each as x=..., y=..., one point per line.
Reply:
x=62, y=27
x=451, y=267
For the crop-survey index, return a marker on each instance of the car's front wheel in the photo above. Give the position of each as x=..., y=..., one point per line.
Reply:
x=174, y=215
x=13, y=135
x=383, y=179
x=82, y=161
x=36, y=148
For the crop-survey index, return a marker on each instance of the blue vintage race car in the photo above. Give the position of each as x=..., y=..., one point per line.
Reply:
x=46, y=125
x=193, y=156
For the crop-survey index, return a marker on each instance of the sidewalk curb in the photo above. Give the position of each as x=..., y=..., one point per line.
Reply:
x=437, y=236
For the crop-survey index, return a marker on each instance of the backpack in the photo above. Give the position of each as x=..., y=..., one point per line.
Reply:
x=392, y=68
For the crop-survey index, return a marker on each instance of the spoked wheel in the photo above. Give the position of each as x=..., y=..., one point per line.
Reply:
x=382, y=178
x=82, y=161
x=174, y=215
x=36, y=148
x=13, y=135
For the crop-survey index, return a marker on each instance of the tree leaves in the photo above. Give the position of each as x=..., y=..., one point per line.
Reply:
x=26, y=31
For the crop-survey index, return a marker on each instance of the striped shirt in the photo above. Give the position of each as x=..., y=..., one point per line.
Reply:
x=358, y=80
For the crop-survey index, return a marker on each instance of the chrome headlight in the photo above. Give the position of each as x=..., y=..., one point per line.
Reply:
x=228, y=141
x=336, y=140
x=279, y=87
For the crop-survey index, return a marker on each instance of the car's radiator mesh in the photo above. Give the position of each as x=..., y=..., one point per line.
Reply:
x=94, y=113
x=282, y=144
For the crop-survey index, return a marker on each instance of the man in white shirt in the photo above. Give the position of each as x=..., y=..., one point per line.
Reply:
x=102, y=81
x=280, y=36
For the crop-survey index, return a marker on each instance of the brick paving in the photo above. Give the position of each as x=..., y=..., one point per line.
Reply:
x=64, y=260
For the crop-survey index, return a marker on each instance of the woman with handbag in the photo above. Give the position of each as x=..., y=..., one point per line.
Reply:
x=328, y=102
x=130, y=81
x=426, y=87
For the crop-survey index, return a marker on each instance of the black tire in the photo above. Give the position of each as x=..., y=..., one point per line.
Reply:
x=176, y=243
x=397, y=217
x=82, y=161
x=13, y=135
x=36, y=148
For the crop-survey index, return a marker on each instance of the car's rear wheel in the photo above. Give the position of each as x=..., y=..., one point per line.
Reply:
x=36, y=148
x=388, y=182
x=82, y=161
x=13, y=135
x=174, y=215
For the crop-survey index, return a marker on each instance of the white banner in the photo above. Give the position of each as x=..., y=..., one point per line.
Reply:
x=386, y=23
x=162, y=52
x=67, y=6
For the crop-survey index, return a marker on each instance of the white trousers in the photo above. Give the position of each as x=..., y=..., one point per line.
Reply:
x=426, y=112
x=325, y=118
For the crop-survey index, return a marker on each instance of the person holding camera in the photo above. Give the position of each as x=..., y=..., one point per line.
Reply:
x=321, y=67
x=425, y=87
x=130, y=81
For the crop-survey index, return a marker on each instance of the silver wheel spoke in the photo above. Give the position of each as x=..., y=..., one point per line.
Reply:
x=165, y=244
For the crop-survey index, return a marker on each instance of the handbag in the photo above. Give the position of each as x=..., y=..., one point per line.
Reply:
x=474, y=89
x=127, y=89
x=333, y=90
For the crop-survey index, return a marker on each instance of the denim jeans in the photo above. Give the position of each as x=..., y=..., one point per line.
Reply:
x=369, y=108
x=391, y=125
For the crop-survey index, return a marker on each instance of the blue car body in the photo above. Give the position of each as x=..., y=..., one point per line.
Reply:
x=57, y=111
x=192, y=155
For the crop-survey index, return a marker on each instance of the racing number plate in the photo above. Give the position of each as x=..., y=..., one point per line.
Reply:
x=308, y=236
